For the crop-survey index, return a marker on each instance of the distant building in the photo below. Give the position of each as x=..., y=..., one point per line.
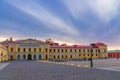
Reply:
x=32, y=49
x=3, y=53
x=114, y=53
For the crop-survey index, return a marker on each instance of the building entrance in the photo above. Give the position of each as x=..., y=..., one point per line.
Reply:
x=29, y=57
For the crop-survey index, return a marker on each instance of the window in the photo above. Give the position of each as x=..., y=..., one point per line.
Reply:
x=65, y=50
x=11, y=49
x=70, y=50
x=62, y=50
x=54, y=50
x=96, y=50
x=58, y=50
x=88, y=55
x=34, y=49
x=24, y=50
x=75, y=50
x=104, y=50
x=18, y=49
x=18, y=57
x=83, y=50
x=66, y=56
x=79, y=54
x=29, y=49
x=62, y=56
x=34, y=57
x=88, y=50
x=24, y=57
x=46, y=49
x=96, y=54
x=83, y=54
x=54, y=57
x=50, y=50
x=58, y=56
x=79, y=50
x=39, y=49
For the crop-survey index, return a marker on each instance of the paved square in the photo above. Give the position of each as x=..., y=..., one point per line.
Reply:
x=33, y=70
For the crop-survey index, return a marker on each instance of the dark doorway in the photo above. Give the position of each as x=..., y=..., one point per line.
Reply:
x=29, y=57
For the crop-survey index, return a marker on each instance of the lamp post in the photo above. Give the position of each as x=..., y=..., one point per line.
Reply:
x=91, y=50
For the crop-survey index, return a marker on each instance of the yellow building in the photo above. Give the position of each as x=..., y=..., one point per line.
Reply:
x=3, y=53
x=32, y=49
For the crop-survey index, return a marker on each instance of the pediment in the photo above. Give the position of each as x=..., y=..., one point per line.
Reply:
x=30, y=41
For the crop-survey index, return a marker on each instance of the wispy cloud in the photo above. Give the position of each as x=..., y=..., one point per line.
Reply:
x=43, y=15
x=106, y=10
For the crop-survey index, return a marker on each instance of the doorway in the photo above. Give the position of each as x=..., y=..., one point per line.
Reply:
x=29, y=57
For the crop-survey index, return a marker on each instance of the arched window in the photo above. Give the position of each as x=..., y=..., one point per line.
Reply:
x=58, y=56
x=62, y=56
x=24, y=57
x=46, y=56
x=18, y=56
x=34, y=56
x=70, y=56
x=54, y=57
x=40, y=56
x=66, y=56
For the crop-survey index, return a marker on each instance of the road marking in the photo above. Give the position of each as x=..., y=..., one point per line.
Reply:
x=3, y=65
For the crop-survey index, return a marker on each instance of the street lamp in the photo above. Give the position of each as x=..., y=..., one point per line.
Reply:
x=91, y=50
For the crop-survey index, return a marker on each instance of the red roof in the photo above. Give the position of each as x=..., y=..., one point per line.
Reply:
x=73, y=46
x=100, y=44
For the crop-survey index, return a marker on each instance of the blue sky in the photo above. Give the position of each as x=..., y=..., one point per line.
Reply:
x=65, y=21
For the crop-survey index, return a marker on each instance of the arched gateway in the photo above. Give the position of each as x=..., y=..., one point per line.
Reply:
x=29, y=57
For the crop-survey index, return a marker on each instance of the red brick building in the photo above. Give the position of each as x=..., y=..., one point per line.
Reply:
x=114, y=54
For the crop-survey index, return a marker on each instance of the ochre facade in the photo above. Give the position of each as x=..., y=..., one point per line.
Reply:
x=3, y=53
x=32, y=49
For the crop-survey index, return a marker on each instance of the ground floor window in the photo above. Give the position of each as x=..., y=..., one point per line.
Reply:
x=40, y=56
x=18, y=57
x=34, y=57
x=24, y=56
x=70, y=56
x=46, y=56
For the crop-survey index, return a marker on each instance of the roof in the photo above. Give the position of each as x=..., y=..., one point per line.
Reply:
x=73, y=46
x=100, y=44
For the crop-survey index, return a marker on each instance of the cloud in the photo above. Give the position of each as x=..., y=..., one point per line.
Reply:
x=43, y=15
x=105, y=10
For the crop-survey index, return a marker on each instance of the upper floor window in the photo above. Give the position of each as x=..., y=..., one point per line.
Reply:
x=75, y=50
x=18, y=49
x=83, y=50
x=65, y=50
x=24, y=50
x=39, y=49
x=70, y=50
x=54, y=50
x=79, y=50
x=62, y=50
x=11, y=49
x=34, y=49
x=50, y=50
x=29, y=49
x=58, y=50
x=46, y=50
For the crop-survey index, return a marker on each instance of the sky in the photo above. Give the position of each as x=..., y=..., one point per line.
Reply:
x=65, y=21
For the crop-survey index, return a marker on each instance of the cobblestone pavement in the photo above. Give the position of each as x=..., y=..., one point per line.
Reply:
x=33, y=70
